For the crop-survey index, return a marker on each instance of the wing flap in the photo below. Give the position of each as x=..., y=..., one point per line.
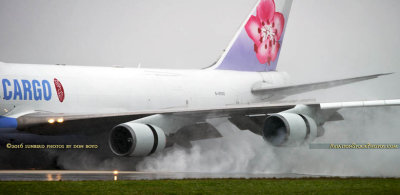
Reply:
x=355, y=104
x=48, y=123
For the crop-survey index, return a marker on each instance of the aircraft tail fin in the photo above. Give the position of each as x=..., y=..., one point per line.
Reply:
x=257, y=44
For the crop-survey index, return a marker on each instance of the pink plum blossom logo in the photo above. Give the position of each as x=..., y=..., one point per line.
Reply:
x=265, y=29
x=59, y=89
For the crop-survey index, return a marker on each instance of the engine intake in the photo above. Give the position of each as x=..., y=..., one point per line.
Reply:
x=283, y=129
x=136, y=139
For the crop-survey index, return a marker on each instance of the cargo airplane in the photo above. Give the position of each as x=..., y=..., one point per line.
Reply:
x=142, y=111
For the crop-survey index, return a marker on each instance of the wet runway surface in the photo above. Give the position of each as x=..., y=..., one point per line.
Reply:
x=63, y=175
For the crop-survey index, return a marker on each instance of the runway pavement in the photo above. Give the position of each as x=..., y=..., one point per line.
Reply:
x=68, y=175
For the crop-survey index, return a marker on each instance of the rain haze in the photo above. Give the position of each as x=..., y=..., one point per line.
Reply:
x=324, y=40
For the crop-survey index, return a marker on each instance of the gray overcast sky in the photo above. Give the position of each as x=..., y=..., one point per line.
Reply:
x=325, y=39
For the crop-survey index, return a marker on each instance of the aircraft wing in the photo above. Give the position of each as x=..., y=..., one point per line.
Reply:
x=59, y=123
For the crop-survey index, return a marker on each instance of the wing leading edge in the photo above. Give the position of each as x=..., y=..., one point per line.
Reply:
x=287, y=90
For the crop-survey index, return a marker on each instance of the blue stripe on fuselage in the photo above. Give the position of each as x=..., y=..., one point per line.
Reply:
x=8, y=123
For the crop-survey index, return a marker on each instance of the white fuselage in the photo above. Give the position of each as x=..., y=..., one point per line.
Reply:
x=114, y=90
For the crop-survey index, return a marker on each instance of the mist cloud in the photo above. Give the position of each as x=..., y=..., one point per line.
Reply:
x=244, y=152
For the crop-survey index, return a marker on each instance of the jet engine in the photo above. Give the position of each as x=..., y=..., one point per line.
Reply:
x=136, y=139
x=285, y=129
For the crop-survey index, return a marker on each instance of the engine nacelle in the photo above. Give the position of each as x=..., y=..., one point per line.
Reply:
x=136, y=139
x=284, y=129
